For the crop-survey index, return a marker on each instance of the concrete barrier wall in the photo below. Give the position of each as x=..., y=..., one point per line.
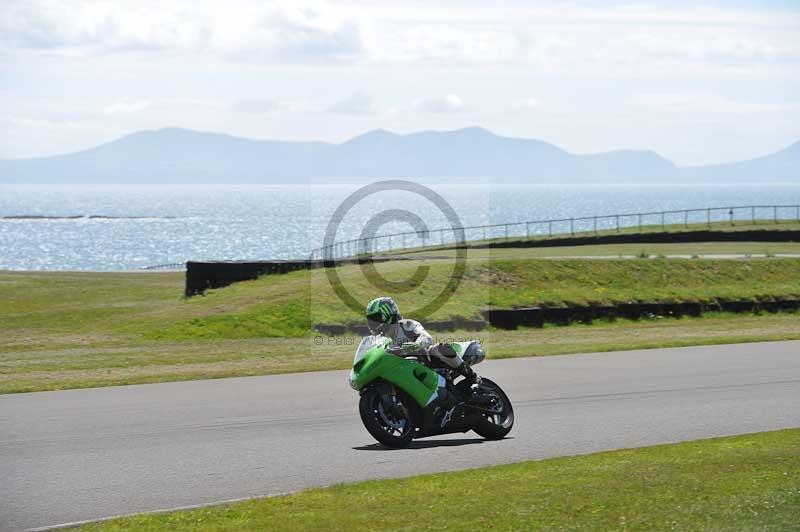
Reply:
x=749, y=235
x=510, y=319
x=538, y=316
x=202, y=275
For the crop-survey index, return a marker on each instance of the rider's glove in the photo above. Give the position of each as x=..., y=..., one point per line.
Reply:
x=410, y=347
x=403, y=349
x=394, y=349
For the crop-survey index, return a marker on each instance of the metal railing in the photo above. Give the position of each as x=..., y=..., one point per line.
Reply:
x=583, y=225
x=168, y=266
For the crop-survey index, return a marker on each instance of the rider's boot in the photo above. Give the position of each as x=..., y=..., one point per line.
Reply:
x=471, y=394
x=446, y=397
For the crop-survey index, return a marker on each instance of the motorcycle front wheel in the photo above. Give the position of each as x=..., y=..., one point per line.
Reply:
x=393, y=426
x=496, y=421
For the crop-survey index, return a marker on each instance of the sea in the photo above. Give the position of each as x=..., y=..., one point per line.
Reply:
x=123, y=228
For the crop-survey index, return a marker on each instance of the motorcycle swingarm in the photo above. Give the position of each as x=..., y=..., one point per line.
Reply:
x=462, y=421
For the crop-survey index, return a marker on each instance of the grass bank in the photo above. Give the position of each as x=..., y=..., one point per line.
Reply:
x=749, y=482
x=685, y=250
x=289, y=305
x=40, y=309
x=562, y=234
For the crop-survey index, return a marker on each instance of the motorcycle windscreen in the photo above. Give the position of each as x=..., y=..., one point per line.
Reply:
x=367, y=343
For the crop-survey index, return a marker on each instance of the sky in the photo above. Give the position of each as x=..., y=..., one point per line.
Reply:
x=699, y=83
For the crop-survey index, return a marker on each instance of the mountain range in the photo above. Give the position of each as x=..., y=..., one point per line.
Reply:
x=177, y=156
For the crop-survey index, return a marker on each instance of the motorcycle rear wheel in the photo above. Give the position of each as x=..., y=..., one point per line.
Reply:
x=394, y=428
x=495, y=426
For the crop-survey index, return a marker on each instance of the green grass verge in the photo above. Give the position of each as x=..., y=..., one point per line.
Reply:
x=68, y=330
x=740, y=483
x=146, y=361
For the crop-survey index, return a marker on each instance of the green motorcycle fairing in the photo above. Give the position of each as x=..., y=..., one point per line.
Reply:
x=372, y=362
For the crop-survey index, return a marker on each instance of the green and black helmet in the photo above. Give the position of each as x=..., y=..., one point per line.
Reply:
x=381, y=313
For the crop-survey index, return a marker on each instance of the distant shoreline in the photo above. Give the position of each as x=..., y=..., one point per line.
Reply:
x=82, y=217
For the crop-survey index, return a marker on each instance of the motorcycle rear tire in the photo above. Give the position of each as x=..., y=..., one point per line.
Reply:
x=489, y=430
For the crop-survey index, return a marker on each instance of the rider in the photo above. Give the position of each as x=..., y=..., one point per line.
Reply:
x=409, y=336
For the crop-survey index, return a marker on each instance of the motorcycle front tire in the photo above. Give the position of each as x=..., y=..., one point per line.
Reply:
x=370, y=417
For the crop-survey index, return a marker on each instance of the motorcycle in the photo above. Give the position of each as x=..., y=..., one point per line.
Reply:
x=414, y=395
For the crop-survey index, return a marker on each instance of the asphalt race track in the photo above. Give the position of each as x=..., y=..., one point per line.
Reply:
x=85, y=454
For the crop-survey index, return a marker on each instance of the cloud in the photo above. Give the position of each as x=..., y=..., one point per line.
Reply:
x=267, y=32
x=358, y=103
x=83, y=28
x=566, y=38
x=704, y=46
x=255, y=106
x=700, y=103
x=526, y=103
x=437, y=41
x=581, y=39
x=304, y=33
x=126, y=106
x=450, y=103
